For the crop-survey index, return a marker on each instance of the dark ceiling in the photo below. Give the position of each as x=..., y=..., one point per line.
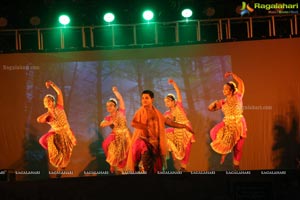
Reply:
x=90, y=12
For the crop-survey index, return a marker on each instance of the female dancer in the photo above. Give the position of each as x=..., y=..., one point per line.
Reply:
x=116, y=145
x=230, y=134
x=179, y=140
x=60, y=140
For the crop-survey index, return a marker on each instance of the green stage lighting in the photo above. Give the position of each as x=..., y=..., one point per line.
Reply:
x=109, y=17
x=148, y=15
x=186, y=13
x=64, y=19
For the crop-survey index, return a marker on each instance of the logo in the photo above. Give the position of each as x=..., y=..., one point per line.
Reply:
x=270, y=8
x=278, y=8
x=246, y=9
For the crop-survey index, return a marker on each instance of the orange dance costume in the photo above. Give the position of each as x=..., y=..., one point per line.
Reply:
x=60, y=140
x=149, y=148
x=179, y=140
x=116, y=145
x=227, y=134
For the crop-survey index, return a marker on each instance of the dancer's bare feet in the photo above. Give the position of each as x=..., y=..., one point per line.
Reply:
x=59, y=173
x=236, y=167
x=222, y=159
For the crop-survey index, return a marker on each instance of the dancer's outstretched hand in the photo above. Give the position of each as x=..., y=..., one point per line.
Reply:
x=227, y=74
x=48, y=84
x=170, y=81
x=189, y=129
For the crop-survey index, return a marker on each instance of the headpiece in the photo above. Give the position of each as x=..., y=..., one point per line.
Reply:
x=50, y=96
x=113, y=100
x=171, y=97
x=234, y=85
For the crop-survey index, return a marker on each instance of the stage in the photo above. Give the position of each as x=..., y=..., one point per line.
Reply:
x=260, y=184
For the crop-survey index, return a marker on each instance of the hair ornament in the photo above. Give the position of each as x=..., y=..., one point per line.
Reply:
x=171, y=96
x=113, y=100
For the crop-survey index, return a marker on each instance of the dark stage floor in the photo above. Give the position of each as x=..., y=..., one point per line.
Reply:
x=239, y=185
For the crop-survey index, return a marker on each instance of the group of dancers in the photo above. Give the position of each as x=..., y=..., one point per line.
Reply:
x=155, y=135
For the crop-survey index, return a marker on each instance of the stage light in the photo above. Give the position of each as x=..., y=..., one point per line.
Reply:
x=109, y=17
x=186, y=13
x=64, y=19
x=35, y=21
x=3, y=22
x=148, y=15
x=210, y=11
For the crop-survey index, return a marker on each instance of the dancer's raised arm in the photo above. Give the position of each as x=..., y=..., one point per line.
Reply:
x=178, y=92
x=60, y=99
x=240, y=82
x=119, y=97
